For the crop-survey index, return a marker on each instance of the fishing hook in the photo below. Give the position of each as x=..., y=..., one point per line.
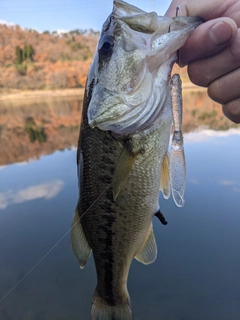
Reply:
x=177, y=9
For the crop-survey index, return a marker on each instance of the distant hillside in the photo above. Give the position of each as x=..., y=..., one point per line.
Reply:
x=33, y=60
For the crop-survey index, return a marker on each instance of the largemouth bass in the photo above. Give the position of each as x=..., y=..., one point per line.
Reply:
x=122, y=155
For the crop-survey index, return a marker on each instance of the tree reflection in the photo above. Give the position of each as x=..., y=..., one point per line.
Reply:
x=29, y=129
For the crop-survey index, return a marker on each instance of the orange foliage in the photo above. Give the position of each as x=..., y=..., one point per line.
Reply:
x=58, y=61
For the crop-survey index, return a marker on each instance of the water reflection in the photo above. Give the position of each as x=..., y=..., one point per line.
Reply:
x=46, y=190
x=34, y=129
x=197, y=273
x=199, y=110
x=29, y=130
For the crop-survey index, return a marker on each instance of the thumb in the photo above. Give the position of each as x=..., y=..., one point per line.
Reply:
x=208, y=39
x=206, y=9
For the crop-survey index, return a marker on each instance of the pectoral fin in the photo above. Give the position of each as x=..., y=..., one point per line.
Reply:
x=165, y=177
x=79, y=243
x=122, y=170
x=148, y=253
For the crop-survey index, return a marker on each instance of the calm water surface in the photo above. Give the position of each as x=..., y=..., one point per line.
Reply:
x=197, y=273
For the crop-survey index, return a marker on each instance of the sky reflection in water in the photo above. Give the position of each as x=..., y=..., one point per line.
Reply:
x=196, y=275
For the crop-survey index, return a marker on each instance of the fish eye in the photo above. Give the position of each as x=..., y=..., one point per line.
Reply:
x=106, y=47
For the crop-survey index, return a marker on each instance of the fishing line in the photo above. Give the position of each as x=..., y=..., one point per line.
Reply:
x=54, y=246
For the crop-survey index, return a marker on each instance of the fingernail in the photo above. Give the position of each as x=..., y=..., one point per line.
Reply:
x=220, y=32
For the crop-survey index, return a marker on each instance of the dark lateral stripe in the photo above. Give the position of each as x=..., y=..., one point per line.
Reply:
x=107, y=255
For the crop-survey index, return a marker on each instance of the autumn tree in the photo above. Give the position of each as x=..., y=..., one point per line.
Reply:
x=28, y=52
x=18, y=55
x=44, y=61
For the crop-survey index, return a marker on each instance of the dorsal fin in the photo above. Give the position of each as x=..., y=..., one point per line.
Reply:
x=148, y=253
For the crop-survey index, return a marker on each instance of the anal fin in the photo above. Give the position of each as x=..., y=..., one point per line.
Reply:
x=148, y=253
x=79, y=243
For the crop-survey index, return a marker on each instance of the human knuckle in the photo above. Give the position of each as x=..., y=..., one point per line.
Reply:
x=234, y=49
x=232, y=110
x=216, y=91
x=197, y=75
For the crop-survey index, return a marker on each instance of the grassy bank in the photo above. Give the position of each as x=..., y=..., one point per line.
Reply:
x=16, y=95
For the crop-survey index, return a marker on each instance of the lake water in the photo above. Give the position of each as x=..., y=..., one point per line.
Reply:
x=197, y=273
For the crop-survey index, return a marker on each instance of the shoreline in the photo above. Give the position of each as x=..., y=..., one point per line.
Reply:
x=14, y=94
x=192, y=87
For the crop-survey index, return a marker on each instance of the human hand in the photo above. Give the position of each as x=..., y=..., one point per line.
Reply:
x=212, y=52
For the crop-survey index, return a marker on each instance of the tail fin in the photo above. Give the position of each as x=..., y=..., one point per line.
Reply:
x=102, y=311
